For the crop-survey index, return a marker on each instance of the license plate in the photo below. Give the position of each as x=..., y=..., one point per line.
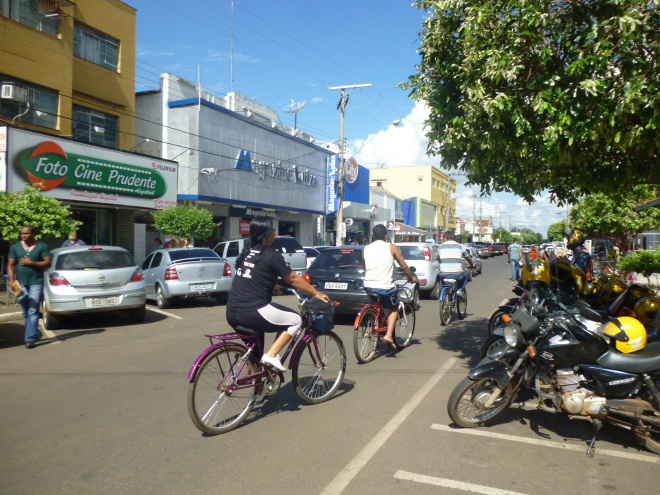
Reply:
x=104, y=301
x=202, y=286
x=336, y=285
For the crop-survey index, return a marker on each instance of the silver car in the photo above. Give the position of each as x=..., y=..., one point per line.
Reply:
x=476, y=261
x=91, y=279
x=424, y=257
x=186, y=272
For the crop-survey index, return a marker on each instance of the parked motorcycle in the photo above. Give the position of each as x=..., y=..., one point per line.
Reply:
x=604, y=376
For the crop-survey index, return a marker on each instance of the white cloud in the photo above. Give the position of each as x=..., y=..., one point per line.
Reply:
x=317, y=99
x=406, y=145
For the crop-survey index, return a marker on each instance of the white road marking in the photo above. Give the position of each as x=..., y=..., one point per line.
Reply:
x=545, y=443
x=170, y=315
x=503, y=303
x=337, y=485
x=456, y=485
x=53, y=338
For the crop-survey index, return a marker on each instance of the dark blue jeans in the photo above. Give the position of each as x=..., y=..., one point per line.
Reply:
x=461, y=279
x=30, y=307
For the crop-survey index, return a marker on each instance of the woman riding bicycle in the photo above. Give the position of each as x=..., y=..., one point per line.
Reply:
x=258, y=268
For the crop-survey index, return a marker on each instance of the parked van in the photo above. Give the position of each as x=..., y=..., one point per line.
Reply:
x=291, y=250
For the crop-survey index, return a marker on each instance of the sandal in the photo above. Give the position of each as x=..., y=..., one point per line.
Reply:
x=391, y=344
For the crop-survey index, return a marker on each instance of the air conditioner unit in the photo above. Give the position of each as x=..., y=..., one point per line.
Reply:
x=12, y=92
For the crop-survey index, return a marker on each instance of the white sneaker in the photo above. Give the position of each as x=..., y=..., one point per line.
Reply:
x=272, y=361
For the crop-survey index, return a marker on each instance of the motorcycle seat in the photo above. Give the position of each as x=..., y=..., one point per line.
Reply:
x=644, y=361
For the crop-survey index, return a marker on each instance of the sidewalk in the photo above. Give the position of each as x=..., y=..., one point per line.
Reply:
x=9, y=310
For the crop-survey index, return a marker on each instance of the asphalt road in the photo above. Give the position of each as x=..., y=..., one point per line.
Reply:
x=101, y=409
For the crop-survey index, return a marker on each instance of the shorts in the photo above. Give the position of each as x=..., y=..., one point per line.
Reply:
x=389, y=297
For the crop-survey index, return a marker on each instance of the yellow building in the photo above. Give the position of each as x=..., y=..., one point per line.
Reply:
x=424, y=181
x=68, y=68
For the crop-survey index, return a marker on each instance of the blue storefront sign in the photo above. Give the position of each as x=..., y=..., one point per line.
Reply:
x=331, y=193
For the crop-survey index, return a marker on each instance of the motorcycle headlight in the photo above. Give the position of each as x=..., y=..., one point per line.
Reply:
x=512, y=335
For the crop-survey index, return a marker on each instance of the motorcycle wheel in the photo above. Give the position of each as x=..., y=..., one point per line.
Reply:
x=650, y=439
x=495, y=320
x=465, y=405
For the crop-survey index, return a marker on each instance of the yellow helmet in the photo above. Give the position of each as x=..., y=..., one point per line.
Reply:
x=579, y=278
x=611, y=290
x=640, y=291
x=539, y=273
x=646, y=310
x=588, y=289
x=628, y=334
x=603, y=279
x=575, y=238
x=561, y=271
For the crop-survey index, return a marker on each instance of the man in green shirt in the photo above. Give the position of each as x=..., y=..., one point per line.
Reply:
x=27, y=261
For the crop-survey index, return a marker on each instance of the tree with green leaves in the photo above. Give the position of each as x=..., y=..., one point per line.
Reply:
x=544, y=95
x=50, y=218
x=185, y=221
x=612, y=216
x=556, y=231
x=502, y=235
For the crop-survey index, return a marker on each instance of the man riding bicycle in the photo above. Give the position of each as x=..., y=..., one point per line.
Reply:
x=449, y=255
x=378, y=261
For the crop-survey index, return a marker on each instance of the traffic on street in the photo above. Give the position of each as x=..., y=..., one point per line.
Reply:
x=100, y=407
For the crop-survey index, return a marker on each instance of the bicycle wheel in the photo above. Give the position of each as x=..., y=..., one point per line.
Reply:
x=316, y=381
x=214, y=405
x=365, y=338
x=405, y=325
x=461, y=304
x=445, y=308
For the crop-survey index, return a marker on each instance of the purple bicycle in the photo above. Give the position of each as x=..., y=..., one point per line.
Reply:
x=226, y=380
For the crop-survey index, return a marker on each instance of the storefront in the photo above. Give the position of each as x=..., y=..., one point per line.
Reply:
x=104, y=188
x=239, y=161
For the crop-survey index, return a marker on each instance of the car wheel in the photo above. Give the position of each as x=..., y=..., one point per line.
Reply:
x=221, y=297
x=161, y=301
x=137, y=315
x=435, y=292
x=51, y=322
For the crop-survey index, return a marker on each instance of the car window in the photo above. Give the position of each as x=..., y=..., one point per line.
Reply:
x=311, y=252
x=412, y=252
x=232, y=249
x=336, y=258
x=97, y=259
x=195, y=253
x=287, y=245
x=158, y=257
x=146, y=262
x=220, y=249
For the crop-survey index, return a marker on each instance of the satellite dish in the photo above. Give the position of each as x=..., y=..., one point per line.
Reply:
x=294, y=108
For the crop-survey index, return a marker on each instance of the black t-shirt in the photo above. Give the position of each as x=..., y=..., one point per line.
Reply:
x=255, y=279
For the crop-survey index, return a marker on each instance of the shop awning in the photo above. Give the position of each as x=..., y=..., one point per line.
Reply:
x=649, y=204
x=403, y=229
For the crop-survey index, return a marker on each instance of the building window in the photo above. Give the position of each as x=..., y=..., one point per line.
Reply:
x=27, y=103
x=91, y=126
x=95, y=46
x=37, y=14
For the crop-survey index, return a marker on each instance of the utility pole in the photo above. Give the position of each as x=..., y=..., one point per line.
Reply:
x=480, y=236
x=474, y=214
x=340, y=182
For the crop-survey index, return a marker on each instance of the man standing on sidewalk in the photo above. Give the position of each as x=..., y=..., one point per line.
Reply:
x=513, y=252
x=27, y=261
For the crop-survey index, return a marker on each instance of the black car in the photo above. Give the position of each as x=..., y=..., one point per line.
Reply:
x=338, y=272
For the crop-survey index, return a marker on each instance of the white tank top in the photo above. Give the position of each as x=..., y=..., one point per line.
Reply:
x=379, y=264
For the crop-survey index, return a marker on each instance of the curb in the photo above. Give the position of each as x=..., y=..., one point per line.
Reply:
x=11, y=316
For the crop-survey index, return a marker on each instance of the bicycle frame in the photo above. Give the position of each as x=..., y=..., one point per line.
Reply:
x=239, y=339
x=381, y=313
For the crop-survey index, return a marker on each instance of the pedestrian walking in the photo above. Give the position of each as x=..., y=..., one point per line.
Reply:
x=513, y=253
x=27, y=261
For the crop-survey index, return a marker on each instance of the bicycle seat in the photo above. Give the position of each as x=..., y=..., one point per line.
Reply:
x=376, y=298
x=242, y=329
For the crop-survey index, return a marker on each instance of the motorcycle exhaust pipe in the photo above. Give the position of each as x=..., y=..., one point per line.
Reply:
x=605, y=411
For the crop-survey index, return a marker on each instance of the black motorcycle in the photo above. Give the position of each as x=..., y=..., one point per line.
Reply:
x=570, y=368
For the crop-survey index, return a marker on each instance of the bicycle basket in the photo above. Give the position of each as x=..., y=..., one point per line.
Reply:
x=320, y=315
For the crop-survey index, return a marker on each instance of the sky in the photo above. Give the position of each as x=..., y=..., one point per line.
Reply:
x=292, y=51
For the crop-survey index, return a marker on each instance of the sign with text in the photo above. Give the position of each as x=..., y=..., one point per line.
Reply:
x=331, y=193
x=72, y=171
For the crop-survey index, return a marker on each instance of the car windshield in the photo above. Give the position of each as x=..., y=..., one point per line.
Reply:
x=333, y=259
x=414, y=252
x=195, y=253
x=94, y=260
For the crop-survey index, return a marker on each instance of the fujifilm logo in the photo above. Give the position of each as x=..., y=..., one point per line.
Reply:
x=625, y=380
